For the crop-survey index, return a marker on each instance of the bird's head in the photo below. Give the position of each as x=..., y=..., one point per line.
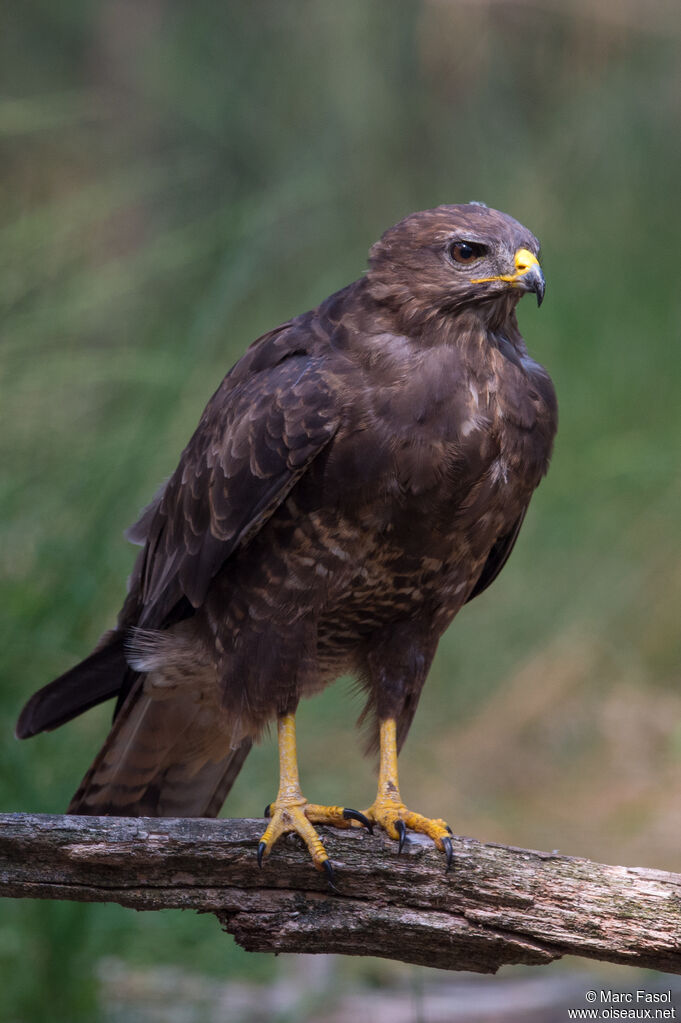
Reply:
x=441, y=260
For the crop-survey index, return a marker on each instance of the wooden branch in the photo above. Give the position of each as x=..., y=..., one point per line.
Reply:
x=497, y=905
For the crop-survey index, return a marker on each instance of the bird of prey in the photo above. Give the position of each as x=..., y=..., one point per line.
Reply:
x=358, y=476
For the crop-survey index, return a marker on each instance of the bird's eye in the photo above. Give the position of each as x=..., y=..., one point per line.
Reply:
x=467, y=252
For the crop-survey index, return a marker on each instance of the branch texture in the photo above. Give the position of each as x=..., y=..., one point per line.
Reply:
x=497, y=905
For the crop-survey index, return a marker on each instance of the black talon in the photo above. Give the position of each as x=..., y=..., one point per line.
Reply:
x=330, y=876
x=355, y=815
x=267, y=810
x=447, y=846
x=401, y=829
x=261, y=849
x=449, y=829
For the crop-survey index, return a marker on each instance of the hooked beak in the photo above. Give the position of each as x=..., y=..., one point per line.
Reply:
x=528, y=275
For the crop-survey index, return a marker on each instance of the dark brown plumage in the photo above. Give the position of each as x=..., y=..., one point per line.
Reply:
x=359, y=475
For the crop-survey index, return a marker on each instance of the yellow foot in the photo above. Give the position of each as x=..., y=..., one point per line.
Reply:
x=298, y=815
x=394, y=817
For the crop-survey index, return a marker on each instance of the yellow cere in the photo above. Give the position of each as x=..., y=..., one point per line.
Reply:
x=524, y=261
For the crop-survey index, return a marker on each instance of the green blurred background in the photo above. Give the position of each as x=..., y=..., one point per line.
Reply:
x=178, y=178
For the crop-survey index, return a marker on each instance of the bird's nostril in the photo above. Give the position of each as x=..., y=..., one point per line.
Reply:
x=524, y=260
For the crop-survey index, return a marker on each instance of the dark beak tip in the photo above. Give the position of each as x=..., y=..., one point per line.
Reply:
x=538, y=285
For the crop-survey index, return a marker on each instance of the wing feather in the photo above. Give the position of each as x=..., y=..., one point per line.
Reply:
x=497, y=557
x=259, y=433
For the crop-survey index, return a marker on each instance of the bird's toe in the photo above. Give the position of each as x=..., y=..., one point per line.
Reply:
x=299, y=817
x=396, y=820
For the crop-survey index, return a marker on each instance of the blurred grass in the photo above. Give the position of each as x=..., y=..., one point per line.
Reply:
x=177, y=180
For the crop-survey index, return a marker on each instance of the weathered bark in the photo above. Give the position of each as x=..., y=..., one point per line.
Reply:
x=497, y=905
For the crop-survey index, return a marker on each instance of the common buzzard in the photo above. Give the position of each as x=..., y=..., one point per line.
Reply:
x=359, y=475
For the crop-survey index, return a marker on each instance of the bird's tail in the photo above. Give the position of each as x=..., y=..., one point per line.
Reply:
x=162, y=758
x=99, y=677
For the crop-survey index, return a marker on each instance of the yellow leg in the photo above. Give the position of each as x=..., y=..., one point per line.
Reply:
x=389, y=811
x=291, y=811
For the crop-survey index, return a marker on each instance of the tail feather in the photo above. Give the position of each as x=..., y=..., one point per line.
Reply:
x=162, y=758
x=99, y=677
x=203, y=794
